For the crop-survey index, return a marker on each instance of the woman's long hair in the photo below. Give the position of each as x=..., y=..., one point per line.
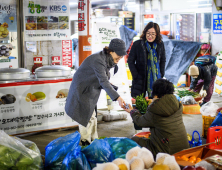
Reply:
x=157, y=29
x=106, y=50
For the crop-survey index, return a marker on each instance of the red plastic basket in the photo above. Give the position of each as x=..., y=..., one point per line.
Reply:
x=214, y=134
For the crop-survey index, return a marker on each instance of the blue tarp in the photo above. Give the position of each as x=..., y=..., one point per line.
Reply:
x=127, y=35
x=179, y=55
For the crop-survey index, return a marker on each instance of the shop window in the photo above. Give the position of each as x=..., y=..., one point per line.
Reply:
x=203, y=27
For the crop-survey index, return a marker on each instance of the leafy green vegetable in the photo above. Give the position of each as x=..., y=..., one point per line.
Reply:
x=182, y=93
x=141, y=103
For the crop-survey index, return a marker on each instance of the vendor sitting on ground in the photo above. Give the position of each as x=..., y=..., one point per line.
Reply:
x=164, y=118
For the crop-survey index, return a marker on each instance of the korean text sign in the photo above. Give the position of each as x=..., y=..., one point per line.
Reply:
x=217, y=23
x=46, y=20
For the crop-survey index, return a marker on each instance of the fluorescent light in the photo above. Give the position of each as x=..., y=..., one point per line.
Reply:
x=202, y=5
x=73, y=3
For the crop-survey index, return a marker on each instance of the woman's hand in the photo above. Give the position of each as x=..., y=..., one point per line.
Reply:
x=128, y=110
x=121, y=102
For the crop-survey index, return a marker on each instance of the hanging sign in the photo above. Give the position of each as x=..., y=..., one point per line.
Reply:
x=67, y=53
x=46, y=20
x=217, y=23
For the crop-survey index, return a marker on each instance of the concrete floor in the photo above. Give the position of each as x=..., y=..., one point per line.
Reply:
x=122, y=128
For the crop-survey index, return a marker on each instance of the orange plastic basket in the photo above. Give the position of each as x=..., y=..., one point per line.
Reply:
x=143, y=134
x=191, y=109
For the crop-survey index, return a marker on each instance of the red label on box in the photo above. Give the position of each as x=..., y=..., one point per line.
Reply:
x=149, y=16
x=37, y=60
x=67, y=53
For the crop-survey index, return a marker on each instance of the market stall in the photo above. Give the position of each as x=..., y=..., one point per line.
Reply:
x=30, y=104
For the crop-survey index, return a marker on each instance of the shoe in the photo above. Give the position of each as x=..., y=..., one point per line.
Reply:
x=202, y=104
x=85, y=143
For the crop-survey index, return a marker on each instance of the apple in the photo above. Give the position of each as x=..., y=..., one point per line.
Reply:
x=200, y=168
x=189, y=168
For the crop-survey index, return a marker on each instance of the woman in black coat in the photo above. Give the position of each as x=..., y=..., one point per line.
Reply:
x=147, y=60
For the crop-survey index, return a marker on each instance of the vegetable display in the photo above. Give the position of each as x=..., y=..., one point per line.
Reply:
x=182, y=93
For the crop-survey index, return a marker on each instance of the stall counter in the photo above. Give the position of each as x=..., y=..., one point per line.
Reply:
x=34, y=105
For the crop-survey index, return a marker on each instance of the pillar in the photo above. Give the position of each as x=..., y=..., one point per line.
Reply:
x=84, y=27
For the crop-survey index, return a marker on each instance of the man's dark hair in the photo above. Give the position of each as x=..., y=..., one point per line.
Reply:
x=162, y=87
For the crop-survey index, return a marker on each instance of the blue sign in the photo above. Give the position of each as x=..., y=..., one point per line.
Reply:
x=217, y=23
x=64, y=8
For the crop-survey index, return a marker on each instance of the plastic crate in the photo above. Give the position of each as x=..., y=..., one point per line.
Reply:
x=207, y=121
x=191, y=109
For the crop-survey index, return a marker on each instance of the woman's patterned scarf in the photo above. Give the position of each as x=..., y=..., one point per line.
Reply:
x=153, y=68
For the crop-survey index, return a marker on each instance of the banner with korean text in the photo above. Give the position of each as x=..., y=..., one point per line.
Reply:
x=46, y=20
x=34, y=106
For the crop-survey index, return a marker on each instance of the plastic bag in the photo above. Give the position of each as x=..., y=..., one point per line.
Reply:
x=99, y=151
x=209, y=109
x=75, y=160
x=31, y=145
x=14, y=155
x=217, y=121
x=57, y=150
x=120, y=146
x=188, y=100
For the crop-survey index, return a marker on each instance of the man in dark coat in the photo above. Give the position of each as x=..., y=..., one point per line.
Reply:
x=92, y=76
x=164, y=118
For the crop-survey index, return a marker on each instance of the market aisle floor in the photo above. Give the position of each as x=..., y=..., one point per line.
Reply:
x=123, y=128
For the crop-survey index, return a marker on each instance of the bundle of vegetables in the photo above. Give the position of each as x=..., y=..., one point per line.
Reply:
x=141, y=103
x=15, y=155
x=182, y=93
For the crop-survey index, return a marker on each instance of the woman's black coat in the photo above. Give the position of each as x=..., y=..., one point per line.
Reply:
x=137, y=62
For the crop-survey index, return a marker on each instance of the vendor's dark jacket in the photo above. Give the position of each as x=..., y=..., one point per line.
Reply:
x=206, y=73
x=164, y=117
x=137, y=62
x=88, y=80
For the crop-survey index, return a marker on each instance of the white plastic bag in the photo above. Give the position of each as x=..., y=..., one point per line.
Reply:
x=188, y=100
x=209, y=109
x=14, y=155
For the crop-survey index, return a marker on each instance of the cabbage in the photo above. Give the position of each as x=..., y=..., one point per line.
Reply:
x=24, y=160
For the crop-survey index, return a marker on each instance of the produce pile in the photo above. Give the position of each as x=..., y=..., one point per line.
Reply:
x=18, y=154
x=183, y=93
x=5, y=51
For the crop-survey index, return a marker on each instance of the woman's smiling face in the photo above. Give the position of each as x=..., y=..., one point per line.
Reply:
x=151, y=35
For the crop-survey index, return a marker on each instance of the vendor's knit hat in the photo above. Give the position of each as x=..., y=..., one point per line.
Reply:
x=118, y=46
x=193, y=70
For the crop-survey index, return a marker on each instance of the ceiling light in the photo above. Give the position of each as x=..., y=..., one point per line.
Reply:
x=73, y=3
x=202, y=5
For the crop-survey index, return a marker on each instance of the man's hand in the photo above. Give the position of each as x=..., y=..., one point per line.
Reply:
x=121, y=102
x=203, y=93
x=128, y=109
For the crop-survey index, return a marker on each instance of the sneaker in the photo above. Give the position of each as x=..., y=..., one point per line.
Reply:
x=85, y=143
x=202, y=104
